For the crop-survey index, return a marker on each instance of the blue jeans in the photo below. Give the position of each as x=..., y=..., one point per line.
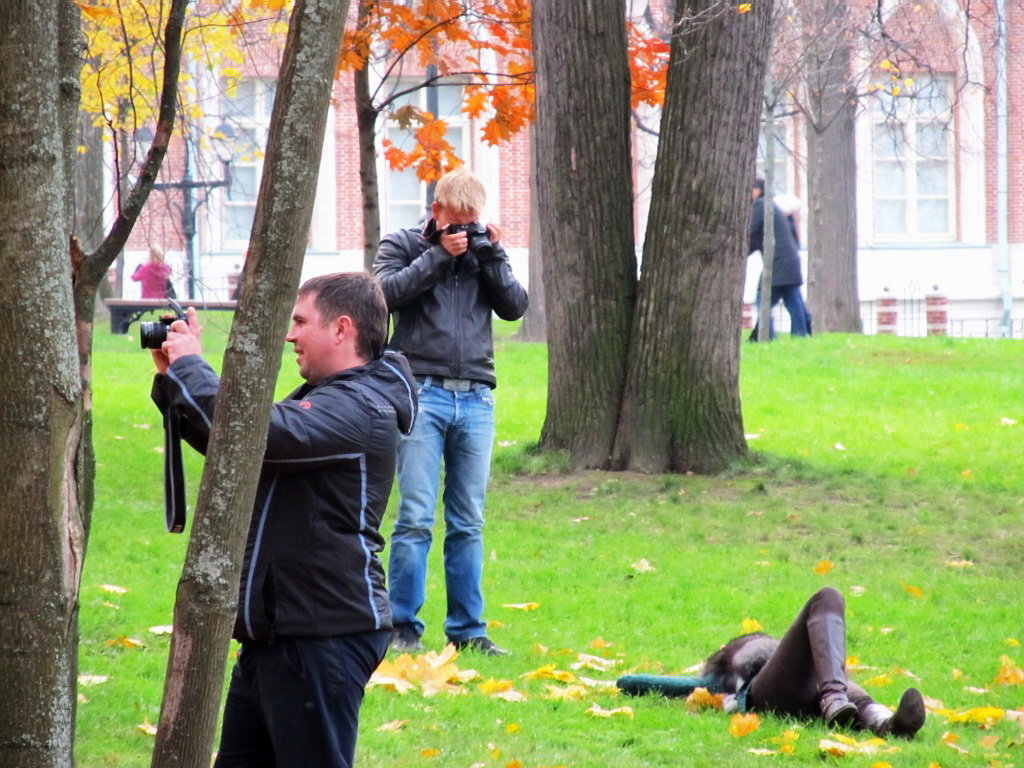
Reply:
x=793, y=300
x=458, y=427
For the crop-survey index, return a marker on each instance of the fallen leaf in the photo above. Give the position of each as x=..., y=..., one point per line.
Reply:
x=912, y=590
x=751, y=625
x=123, y=641
x=642, y=566
x=587, y=661
x=1013, y=642
x=513, y=728
x=599, y=644
x=430, y=752
x=597, y=711
x=549, y=672
x=113, y=589
x=959, y=564
x=702, y=699
x=146, y=727
x=741, y=725
x=1007, y=422
x=392, y=726
x=92, y=679
x=521, y=606
x=491, y=687
x=823, y=567
x=879, y=680
x=1009, y=673
x=162, y=629
x=950, y=740
x=839, y=447
x=761, y=751
x=989, y=742
x=985, y=717
x=840, y=746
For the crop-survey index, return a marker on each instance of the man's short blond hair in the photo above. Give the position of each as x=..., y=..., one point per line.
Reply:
x=461, y=190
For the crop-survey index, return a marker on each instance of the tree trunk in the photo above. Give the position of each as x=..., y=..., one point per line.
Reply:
x=207, y=591
x=42, y=536
x=583, y=169
x=831, y=173
x=366, y=120
x=681, y=406
x=535, y=324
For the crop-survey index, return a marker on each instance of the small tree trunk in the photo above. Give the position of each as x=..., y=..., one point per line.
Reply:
x=681, y=406
x=583, y=169
x=369, y=185
x=831, y=173
x=535, y=324
x=204, y=608
x=42, y=537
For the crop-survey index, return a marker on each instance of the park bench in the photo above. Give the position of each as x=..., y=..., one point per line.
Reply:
x=124, y=312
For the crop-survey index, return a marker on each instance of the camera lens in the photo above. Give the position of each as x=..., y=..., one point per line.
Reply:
x=152, y=335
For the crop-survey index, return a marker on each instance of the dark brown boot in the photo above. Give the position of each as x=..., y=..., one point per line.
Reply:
x=827, y=634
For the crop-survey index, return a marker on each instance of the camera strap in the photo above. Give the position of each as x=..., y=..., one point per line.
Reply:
x=174, y=474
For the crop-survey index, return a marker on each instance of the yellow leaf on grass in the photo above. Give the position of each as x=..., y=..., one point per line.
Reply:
x=642, y=565
x=840, y=746
x=912, y=590
x=989, y=742
x=430, y=752
x=549, y=672
x=986, y=717
x=959, y=564
x=491, y=687
x=950, y=740
x=741, y=725
x=124, y=642
x=146, y=727
x=513, y=728
x=823, y=567
x=599, y=644
x=751, y=625
x=1013, y=642
x=587, y=661
x=521, y=606
x=702, y=699
x=881, y=764
x=597, y=711
x=879, y=680
x=1009, y=673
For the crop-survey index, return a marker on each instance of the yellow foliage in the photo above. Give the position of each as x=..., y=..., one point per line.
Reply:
x=751, y=625
x=1009, y=673
x=741, y=725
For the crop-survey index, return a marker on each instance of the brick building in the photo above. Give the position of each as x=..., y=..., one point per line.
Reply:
x=940, y=208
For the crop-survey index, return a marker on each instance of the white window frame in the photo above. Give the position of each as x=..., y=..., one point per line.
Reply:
x=909, y=113
x=456, y=120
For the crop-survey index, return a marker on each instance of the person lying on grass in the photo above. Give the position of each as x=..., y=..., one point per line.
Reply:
x=802, y=675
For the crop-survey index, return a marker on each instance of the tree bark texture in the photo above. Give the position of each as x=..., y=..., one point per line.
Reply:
x=681, y=406
x=366, y=121
x=831, y=172
x=41, y=528
x=207, y=591
x=583, y=170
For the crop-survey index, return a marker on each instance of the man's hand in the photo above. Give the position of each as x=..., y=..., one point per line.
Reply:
x=493, y=232
x=456, y=244
x=182, y=339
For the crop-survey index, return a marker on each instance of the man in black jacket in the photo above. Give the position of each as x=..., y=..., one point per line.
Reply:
x=313, y=614
x=443, y=283
x=786, y=274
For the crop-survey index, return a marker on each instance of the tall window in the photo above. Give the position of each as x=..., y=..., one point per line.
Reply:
x=247, y=106
x=912, y=161
x=405, y=196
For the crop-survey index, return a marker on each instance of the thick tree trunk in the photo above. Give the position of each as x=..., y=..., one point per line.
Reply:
x=369, y=186
x=681, y=406
x=583, y=170
x=831, y=173
x=41, y=526
x=207, y=591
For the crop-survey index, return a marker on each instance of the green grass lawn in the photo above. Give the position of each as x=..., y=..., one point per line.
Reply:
x=895, y=462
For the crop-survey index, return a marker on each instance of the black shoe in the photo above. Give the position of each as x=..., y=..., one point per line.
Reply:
x=909, y=715
x=481, y=645
x=405, y=640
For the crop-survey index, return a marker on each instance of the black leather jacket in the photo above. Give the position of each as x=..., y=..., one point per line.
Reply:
x=442, y=306
x=311, y=567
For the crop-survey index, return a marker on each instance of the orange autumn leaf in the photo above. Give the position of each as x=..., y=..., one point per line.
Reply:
x=430, y=752
x=823, y=567
x=124, y=642
x=741, y=725
x=701, y=698
x=913, y=591
x=1009, y=673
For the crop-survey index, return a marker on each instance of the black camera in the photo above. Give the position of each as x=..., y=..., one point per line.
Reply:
x=477, y=239
x=153, y=335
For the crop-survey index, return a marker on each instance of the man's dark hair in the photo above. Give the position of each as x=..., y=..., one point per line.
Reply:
x=759, y=186
x=357, y=295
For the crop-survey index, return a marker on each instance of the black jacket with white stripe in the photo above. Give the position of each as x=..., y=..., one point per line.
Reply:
x=311, y=567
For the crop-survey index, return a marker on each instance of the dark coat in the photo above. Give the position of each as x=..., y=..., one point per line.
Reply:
x=786, y=264
x=311, y=567
x=442, y=307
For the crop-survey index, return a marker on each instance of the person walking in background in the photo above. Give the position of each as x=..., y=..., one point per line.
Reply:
x=155, y=276
x=313, y=615
x=443, y=282
x=786, y=274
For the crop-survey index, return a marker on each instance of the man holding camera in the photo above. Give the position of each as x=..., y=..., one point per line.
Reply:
x=313, y=614
x=442, y=283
